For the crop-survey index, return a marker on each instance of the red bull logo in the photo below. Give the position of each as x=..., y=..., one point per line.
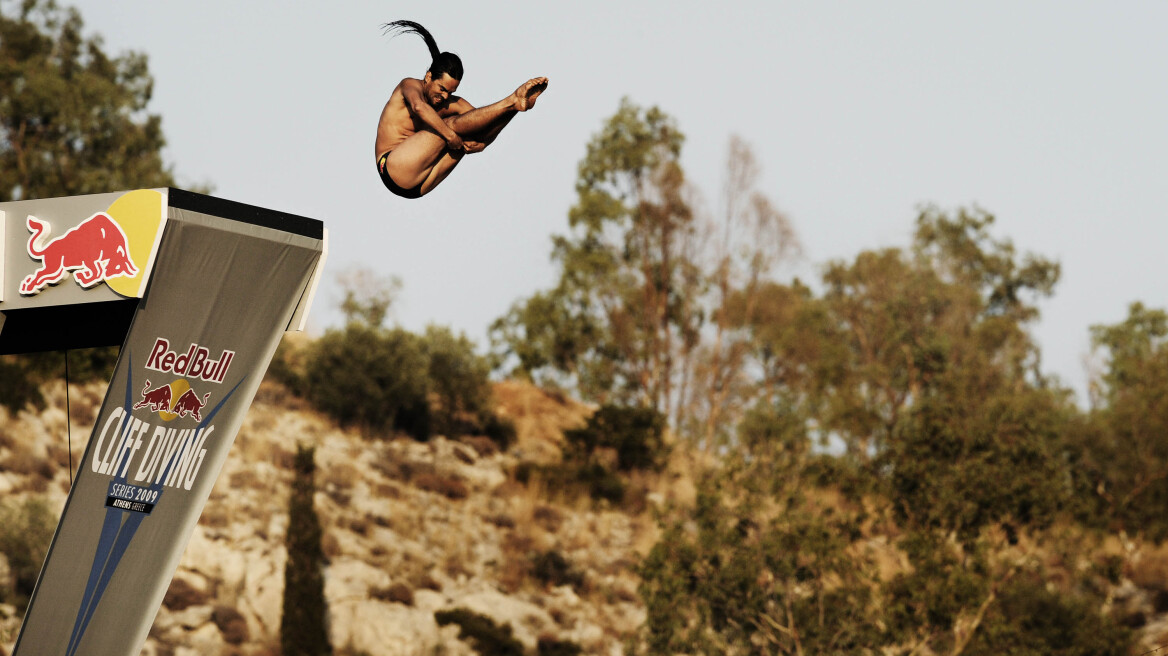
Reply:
x=195, y=363
x=158, y=399
x=93, y=251
x=176, y=399
x=189, y=402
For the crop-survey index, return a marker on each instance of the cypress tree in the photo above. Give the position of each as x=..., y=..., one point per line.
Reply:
x=303, y=628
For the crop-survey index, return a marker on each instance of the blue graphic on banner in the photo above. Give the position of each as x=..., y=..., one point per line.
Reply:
x=116, y=534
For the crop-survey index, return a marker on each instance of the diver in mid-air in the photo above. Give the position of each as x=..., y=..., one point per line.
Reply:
x=425, y=130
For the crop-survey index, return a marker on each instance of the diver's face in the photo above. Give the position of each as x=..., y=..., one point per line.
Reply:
x=439, y=91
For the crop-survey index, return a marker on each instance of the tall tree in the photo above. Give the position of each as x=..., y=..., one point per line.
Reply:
x=952, y=310
x=1120, y=453
x=641, y=314
x=304, y=625
x=73, y=120
x=747, y=240
x=615, y=320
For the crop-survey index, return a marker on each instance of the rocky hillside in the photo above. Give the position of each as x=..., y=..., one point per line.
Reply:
x=409, y=529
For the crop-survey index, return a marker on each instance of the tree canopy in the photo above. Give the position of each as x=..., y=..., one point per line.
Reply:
x=73, y=119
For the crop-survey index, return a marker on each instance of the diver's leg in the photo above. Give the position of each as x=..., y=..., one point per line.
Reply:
x=411, y=162
x=488, y=117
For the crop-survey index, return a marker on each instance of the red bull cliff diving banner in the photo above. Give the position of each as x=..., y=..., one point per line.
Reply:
x=198, y=292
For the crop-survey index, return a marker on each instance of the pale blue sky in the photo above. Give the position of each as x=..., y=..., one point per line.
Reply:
x=1051, y=115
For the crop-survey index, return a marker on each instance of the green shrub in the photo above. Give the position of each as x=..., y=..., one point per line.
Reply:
x=636, y=434
x=551, y=568
x=372, y=378
x=26, y=529
x=18, y=386
x=288, y=367
x=487, y=637
x=501, y=431
x=459, y=382
x=573, y=480
x=22, y=375
x=602, y=484
x=1029, y=619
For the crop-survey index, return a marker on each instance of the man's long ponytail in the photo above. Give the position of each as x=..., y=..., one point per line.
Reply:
x=440, y=62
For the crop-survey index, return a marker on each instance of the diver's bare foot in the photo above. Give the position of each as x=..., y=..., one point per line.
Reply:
x=526, y=94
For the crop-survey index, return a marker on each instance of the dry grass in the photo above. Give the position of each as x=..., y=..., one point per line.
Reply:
x=337, y=481
x=331, y=545
x=216, y=515
x=1150, y=570
x=448, y=486
x=231, y=623
x=275, y=394
x=515, y=570
x=360, y=526
x=27, y=464
x=548, y=518
x=398, y=593
x=246, y=479
x=59, y=455
x=387, y=491
x=484, y=446
x=182, y=595
x=540, y=418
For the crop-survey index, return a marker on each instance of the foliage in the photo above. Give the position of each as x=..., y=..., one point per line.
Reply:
x=460, y=385
x=370, y=377
x=615, y=319
x=641, y=314
x=382, y=379
x=391, y=379
x=602, y=484
x=1030, y=620
x=18, y=386
x=367, y=296
x=487, y=637
x=635, y=434
x=947, y=583
x=944, y=453
x=303, y=626
x=574, y=479
x=1120, y=456
x=26, y=529
x=551, y=568
x=731, y=579
x=73, y=120
x=22, y=375
x=917, y=364
x=500, y=430
x=288, y=366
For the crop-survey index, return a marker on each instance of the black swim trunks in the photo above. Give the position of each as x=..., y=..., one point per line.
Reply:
x=416, y=192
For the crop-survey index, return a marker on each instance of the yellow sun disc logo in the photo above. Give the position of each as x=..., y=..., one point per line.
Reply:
x=140, y=215
x=177, y=389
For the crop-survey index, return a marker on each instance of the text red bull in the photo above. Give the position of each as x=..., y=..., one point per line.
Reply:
x=94, y=250
x=195, y=363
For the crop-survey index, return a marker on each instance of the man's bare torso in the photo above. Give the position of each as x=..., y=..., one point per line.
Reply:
x=397, y=123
